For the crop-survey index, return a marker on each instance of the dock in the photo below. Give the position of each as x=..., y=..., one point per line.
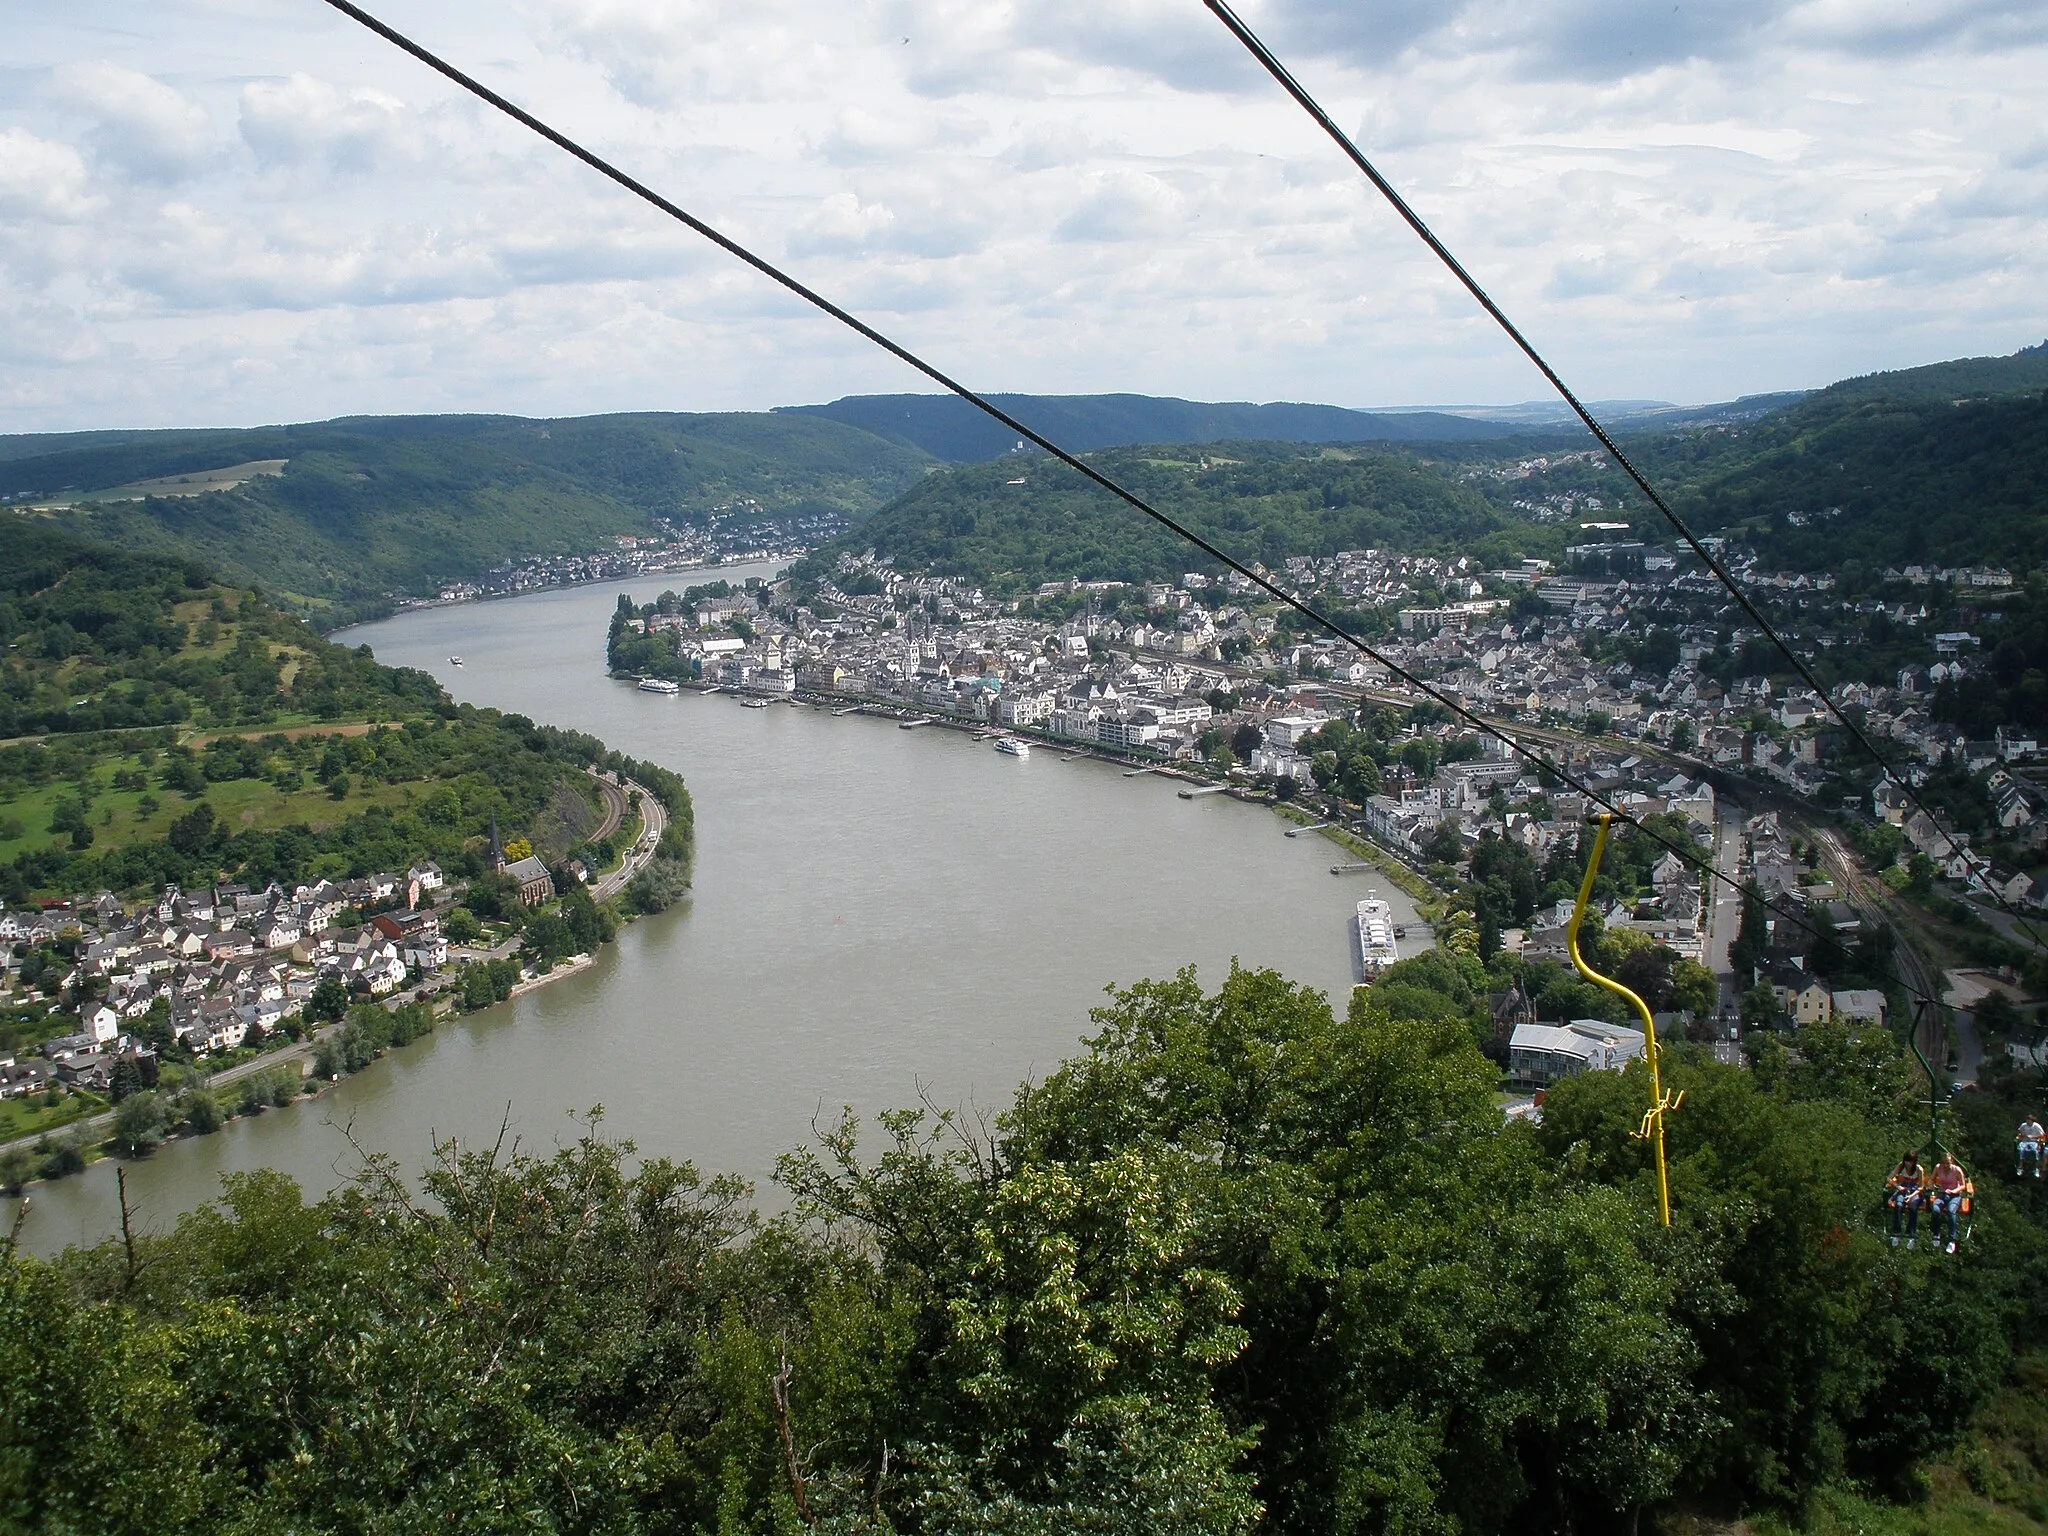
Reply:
x=911, y=725
x=1206, y=789
x=1314, y=826
x=1350, y=869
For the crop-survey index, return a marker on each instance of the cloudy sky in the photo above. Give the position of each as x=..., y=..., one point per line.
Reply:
x=240, y=211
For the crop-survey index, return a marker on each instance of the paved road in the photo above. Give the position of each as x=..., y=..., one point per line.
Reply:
x=655, y=822
x=1724, y=918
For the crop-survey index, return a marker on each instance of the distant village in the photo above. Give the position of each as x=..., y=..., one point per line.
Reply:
x=742, y=532
x=229, y=966
x=1141, y=668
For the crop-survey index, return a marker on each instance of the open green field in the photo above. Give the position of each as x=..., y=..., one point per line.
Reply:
x=31, y=1117
x=119, y=817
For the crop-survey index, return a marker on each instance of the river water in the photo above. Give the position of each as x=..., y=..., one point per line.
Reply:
x=877, y=912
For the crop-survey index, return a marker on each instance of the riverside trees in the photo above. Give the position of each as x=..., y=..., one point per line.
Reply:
x=1241, y=1265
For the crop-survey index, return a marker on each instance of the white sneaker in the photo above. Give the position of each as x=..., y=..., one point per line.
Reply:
x=1951, y=1248
x=1910, y=1242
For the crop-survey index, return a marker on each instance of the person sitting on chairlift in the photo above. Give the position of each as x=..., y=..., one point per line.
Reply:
x=2026, y=1147
x=1903, y=1196
x=1950, y=1186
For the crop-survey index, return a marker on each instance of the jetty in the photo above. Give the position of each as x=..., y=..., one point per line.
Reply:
x=1314, y=826
x=914, y=723
x=1206, y=789
x=1349, y=869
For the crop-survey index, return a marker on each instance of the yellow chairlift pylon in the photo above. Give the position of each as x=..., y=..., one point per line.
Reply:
x=1661, y=1104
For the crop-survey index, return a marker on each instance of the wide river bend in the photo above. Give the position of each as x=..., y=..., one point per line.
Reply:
x=876, y=912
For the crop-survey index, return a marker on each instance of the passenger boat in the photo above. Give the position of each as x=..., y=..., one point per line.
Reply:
x=659, y=685
x=454, y=661
x=753, y=703
x=1373, y=928
x=1010, y=746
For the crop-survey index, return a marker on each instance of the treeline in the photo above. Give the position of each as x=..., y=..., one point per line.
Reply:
x=1242, y=1266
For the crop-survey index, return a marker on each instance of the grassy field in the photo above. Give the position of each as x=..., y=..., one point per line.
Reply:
x=120, y=816
x=22, y=1117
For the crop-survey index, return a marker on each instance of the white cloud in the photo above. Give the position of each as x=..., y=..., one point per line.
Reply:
x=42, y=179
x=142, y=127
x=235, y=209
x=303, y=121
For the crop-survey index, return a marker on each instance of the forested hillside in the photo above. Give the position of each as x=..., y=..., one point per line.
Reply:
x=1022, y=521
x=170, y=728
x=1244, y=1266
x=365, y=506
x=1944, y=465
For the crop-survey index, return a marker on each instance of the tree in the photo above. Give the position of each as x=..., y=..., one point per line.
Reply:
x=139, y=1124
x=200, y=1110
x=17, y=1167
x=329, y=1000
x=1760, y=1009
x=192, y=833
x=1693, y=987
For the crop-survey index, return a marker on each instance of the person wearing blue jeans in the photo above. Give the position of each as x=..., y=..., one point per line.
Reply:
x=1903, y=1192
x=1945, y=1195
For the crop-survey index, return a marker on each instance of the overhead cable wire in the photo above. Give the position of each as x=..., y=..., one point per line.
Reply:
x=1088, y=471
x=1268, y=61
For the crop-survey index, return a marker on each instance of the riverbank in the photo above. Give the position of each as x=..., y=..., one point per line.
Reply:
x=404, y=606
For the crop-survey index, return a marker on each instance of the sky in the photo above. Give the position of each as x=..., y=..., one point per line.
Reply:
x=230, y=212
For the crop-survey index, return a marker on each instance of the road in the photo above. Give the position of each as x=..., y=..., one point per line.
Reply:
x=1724, y=919
x=656, y=821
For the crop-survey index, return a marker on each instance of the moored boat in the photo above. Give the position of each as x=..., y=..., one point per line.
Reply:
x=659, y=685
x=1373, y=928
x=1010, y=746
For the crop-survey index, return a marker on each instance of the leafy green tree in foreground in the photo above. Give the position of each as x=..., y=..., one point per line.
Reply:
x=1242, y=1265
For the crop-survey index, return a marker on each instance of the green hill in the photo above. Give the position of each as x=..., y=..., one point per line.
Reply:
x=947, y=427
x=368, y=506
x=158, y=725
x=1026, y=520
x=1944, y=465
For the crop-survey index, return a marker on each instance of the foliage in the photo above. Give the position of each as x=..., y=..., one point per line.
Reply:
x=425, y=783
x=1896, y=468
x=1261, y=502
x=1241, y=1265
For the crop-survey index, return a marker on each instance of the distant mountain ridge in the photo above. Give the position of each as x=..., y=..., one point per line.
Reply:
x=366, y=506
x=948, y=428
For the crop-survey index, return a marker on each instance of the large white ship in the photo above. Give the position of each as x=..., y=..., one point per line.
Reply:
x=1373, y=929
x=659, y=685
x=1011, y=746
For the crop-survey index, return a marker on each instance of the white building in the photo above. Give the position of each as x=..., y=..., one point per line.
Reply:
x=1543, y=1053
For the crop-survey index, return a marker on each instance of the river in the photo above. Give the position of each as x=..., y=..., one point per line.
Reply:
x=877, y=912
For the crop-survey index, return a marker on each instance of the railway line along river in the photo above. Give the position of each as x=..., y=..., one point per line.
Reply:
x=875, y=912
